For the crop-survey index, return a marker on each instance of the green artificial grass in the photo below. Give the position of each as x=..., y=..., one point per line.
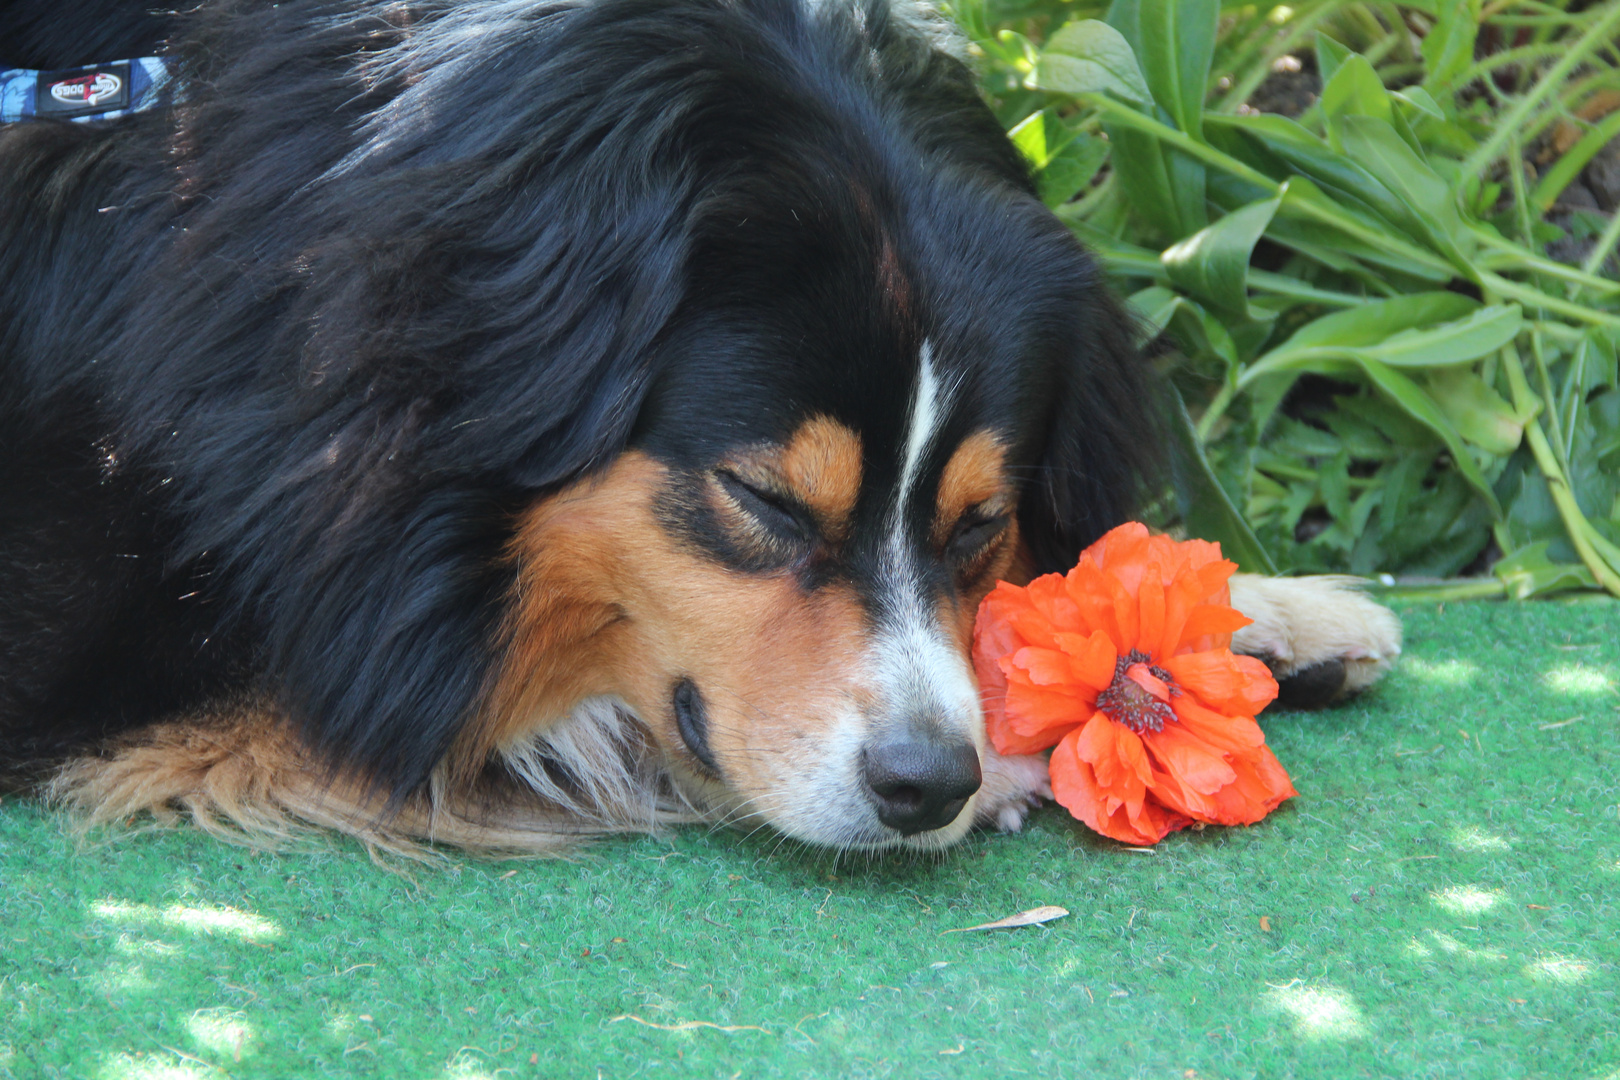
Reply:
x=1441, y=902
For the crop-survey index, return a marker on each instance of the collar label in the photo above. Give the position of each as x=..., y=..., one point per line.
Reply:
x=82, y=91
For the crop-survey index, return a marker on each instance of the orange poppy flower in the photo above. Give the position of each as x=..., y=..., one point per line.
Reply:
x=1124, y=664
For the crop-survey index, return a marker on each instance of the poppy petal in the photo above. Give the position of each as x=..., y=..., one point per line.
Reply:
x=1076, y=788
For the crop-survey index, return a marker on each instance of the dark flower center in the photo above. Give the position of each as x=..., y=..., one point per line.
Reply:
x=1140, y=698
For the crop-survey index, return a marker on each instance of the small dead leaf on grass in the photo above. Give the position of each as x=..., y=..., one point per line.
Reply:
x=1032, y=917
x=688, y=1025
x=1265, y=924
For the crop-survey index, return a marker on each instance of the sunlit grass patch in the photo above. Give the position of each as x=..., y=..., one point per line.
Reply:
x=241, y=925
x=1553, y=968
x=1578, y=679
x=1452, y=947
x=1473, y=838
x=1319, y=1012
x=223, y=1031
x=130, y=1067
x=122, y=976
x=1465, y=899
x=1444, y=672
x=150, y=948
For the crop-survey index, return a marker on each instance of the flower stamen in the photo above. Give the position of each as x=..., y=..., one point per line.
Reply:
x=1139, y=696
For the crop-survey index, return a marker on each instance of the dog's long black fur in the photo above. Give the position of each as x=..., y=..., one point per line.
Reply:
x=278, y=367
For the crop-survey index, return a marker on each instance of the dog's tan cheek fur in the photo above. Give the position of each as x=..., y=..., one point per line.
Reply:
x=609, y=603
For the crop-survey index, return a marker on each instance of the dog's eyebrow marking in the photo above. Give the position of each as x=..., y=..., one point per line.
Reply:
x=972, y=477
x=822, y=464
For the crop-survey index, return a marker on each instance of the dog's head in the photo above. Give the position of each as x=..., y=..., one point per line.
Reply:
x=711, y=358
x=892, y=379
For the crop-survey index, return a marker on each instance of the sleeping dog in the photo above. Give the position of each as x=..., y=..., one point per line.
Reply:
x=490, y=421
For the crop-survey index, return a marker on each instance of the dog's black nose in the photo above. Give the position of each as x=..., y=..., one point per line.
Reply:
x=919, y=786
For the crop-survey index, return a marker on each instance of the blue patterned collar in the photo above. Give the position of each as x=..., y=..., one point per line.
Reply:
x=90, y=93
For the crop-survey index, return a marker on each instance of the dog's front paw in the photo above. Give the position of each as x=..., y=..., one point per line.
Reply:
x=1321, y=636
x=1012, y=787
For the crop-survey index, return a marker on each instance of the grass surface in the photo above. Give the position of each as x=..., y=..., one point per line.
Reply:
x=1441, y=901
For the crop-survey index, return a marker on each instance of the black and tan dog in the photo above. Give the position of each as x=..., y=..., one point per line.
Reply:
x=493, y=420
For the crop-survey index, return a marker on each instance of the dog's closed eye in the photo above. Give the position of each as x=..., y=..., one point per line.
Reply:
x=974, y=533
x=974, y=540
x=782, y=520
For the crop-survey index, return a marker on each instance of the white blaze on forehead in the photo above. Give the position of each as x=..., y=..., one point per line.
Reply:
x=928, y=407
x=921, y=671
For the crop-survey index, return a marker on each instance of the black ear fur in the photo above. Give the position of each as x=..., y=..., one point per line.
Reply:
x=1103, y=444
x=71, y=33
x=394, y=321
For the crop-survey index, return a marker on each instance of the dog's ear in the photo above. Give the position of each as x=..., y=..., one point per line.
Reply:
x=456, y=317
x=1103, y=442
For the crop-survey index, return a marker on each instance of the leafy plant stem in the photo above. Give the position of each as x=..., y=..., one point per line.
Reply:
x=1521, y=198
x=1514, y=120
x=1215, y=410
x=1579, y=529
x=1508, y=255
x=1442, y=592
x=1604, y=247
x=1294, y=289
x=1538, y=354
x=1537, y=299
x=1507, y=58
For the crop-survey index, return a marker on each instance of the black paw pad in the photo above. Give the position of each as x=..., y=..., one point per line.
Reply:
x=1312, y=687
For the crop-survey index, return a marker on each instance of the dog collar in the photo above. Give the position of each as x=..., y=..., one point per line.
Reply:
x=90, y=93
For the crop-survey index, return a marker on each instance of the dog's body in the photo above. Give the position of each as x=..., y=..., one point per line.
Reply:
x=499, y=419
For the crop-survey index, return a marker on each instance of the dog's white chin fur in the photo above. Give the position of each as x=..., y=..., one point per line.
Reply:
x=626, y=791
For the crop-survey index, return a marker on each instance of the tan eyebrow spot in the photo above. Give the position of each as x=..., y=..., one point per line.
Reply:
x=973, y=475
x=822, y=466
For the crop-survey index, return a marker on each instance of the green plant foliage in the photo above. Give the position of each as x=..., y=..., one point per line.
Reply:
x=1377, y=365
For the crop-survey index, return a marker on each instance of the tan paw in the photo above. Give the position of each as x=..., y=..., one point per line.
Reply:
x=1012, y=787
x=1322, y=637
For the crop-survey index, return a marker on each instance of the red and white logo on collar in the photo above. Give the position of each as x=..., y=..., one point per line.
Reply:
x=91, y=88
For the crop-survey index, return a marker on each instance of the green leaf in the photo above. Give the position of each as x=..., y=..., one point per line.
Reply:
x=1206, y=509
x=1040, y=136
x=1071, y=169
x=1530, y=572
x=1088, y=57
x=1448, y=47
x=1329, y=55
x=1592, y=365
x=1411, y=398
x=1356, y=90
x=1480, y=334
x=1354, y=188
x=1213, y=263
x=1430, y=202
x=1333, y=481
x=1196, y=331
x=1176, y=44
x=1420, y=101
x=1479, y=413
x=1379, y=320
x=1164, y=186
